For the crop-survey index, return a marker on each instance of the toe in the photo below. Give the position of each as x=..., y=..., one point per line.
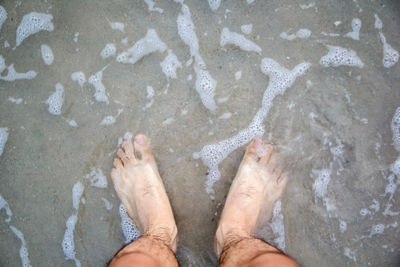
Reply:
x=128, y=148
x=121, y=154
x=267, y=150
x=117, y=163
x=253, y=149
x=142, y=146
x=274, y=166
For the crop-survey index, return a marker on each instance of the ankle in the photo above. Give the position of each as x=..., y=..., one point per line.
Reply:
x=226, y=236
x=167, y=234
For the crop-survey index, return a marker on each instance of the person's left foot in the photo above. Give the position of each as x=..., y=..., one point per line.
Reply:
x=141, y=190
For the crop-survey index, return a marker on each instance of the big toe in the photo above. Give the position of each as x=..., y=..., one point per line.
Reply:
x=256, y=150
x=142, y=146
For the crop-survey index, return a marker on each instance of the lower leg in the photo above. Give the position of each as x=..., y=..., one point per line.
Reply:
x=258, y=184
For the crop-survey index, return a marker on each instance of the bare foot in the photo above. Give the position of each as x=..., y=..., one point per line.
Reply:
x=258, y=184
x=141, y=190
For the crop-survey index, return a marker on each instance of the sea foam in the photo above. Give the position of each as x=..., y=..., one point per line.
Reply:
x=237, y=39
x=47, y=54
x=339, y=56
x=3, y=138
x=33, y=23
x=56, y=100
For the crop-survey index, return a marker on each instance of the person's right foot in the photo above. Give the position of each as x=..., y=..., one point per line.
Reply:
x=141, y=190
x=258, y=184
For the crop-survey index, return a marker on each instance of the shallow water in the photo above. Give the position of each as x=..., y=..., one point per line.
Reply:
x=334, y=124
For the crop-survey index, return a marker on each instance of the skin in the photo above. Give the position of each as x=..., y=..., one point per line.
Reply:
x=258, y=184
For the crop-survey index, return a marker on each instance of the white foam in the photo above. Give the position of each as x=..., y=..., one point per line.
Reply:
x=302, y=34
x=280, y=79
x=79, y=77
x=72, y=123
x=214, y=4
x=127, y=136
x=33, y=23
x=77, y=191
x=390, y=55
x=4, y=203
x=96, y=80
x=246, y=28
x=278, y=226
x=124, y=41
x=337, y=23
x=97, y=178
x=306, y=6
x=250, y=1
x=339, y=56
x=170, y=64
x=356, y=26
x=149, y=44
x=378, y=22
x=6, y=44
x=3, y=16
x=129, y=229
x=320, y=185
x=108, y=51
x=377, y=229
x=150, y=91
x=12, y=75
x=47, y=54
x=23, y=251
x=117, y=26
x=205, y=84
x=350, y=254
x=151, y=7
x=108, y=120
x=237, y=39
x=15, y=100
x=225, y=116
x=55, y=100
x=68, y=244
x=3, y=138
x=107, y=204
x=395, y=126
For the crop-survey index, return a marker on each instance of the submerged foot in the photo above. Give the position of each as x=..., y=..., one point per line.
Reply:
x=141, y=190
x=258, y=184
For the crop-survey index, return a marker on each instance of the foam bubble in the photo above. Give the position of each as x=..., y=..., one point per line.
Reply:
x=3, y=16
x=108, y=120
x=23, y=251
x=145, y=46
x=79, y=77
x=278, y=226
x=238, y=75
x=150, y=5
x=170, y=64
x=15, y=100
x=4, y=203
x=33, y=23
x=108, y=50
x=356, y=26
x=97, y=178
x=168, y=121
x=77, y=191
x=342, y=226
x=107, y=204
x=302, y=34
x=339, y=56
x=280, y=79
x=129, y=229
x=76, y=36
x=390, y=55
x=47, y=54
x=233, y=38
x=247, y=28
x=12, y=75
x=250, y=1
x=117, y=26
x=214, y=4
x=3, y=139
x=377, y=229
x=350, y=254
x=72, y=123
x=225, y=116
x=96, y=80
x=150, y=91
x=205, y=84
x=378, y=22
x=55, y=100
x=307, y=6
x=68, y=244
